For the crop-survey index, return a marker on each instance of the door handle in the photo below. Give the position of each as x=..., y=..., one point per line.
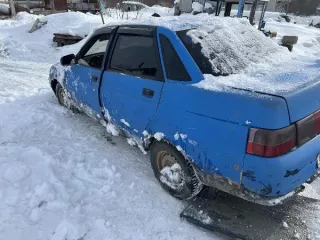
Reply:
x=94, y=78
x=148, y=92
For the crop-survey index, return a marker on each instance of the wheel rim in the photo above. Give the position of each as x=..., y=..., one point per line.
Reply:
x=61, y=96
x=171, y=173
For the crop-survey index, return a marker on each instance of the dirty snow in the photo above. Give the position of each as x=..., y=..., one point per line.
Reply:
x=131, y=141
x=60, y=177
x=172, y=176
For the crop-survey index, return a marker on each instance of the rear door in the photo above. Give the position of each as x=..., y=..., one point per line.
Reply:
x=82, y=81
x=131, y=86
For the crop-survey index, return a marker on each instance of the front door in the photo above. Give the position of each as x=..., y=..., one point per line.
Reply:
x=131, y=86
x=83, y=79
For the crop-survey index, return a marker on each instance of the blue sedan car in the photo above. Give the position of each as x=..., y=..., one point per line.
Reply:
x=142, y=80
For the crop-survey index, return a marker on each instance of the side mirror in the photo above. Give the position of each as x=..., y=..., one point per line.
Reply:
x=66, y=60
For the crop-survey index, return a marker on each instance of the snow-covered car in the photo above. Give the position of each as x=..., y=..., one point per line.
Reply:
x=159, y=86
x=129, y=6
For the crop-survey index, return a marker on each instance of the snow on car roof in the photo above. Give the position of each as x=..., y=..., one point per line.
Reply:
x=231, y=44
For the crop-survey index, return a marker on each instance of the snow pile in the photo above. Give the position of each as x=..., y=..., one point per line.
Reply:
x=38, y=46
x=316, y=21
x=74, y=23
x=197, y=7
x=162, y=11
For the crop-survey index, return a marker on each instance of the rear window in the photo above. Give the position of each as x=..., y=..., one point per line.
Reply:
x=195, y=51
x=228, y=46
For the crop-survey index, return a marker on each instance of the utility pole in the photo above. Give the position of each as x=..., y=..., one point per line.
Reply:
x=102, y=7
x=12, y=8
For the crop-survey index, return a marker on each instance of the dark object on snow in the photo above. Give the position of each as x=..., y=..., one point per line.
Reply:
x=64, y=39
x=314, y=25
x=286, y=17
x=209, y=10
x=289, y=41
x=223, y=213
x=155, y=15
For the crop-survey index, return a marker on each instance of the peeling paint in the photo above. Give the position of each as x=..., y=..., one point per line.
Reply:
x=250, y=175
x=292, y=173
x=266, y=189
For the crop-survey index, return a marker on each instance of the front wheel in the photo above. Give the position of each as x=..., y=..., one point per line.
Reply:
x=63, y=99
x=61, y=95
x=174, y=172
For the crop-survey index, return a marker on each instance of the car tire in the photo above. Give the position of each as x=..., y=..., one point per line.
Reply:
x=60, y=95
x=63, y=99
x=174, y=172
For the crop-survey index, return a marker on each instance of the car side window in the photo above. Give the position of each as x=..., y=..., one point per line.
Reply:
x=136, y=56
x=93, y=53
x=175, y=69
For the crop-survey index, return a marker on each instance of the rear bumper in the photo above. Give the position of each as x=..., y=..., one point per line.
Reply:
x=272, y=201
x=271, y=181
x=277, y=177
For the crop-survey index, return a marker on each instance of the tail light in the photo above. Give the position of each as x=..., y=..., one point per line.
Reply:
x=271, y=143
x=308, y=128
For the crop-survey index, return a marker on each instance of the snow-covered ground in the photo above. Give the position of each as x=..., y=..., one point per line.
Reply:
x=60, y=175
x=61, y=179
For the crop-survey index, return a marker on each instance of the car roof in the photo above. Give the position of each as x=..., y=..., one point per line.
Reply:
x=143, y=29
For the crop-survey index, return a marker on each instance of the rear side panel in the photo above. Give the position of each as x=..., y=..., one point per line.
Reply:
x=216, y=147
x=211, y=127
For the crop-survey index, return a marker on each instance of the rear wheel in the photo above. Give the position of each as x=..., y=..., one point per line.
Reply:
x=174, y=172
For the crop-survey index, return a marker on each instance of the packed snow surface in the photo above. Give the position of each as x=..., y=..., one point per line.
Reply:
x=61, y=178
